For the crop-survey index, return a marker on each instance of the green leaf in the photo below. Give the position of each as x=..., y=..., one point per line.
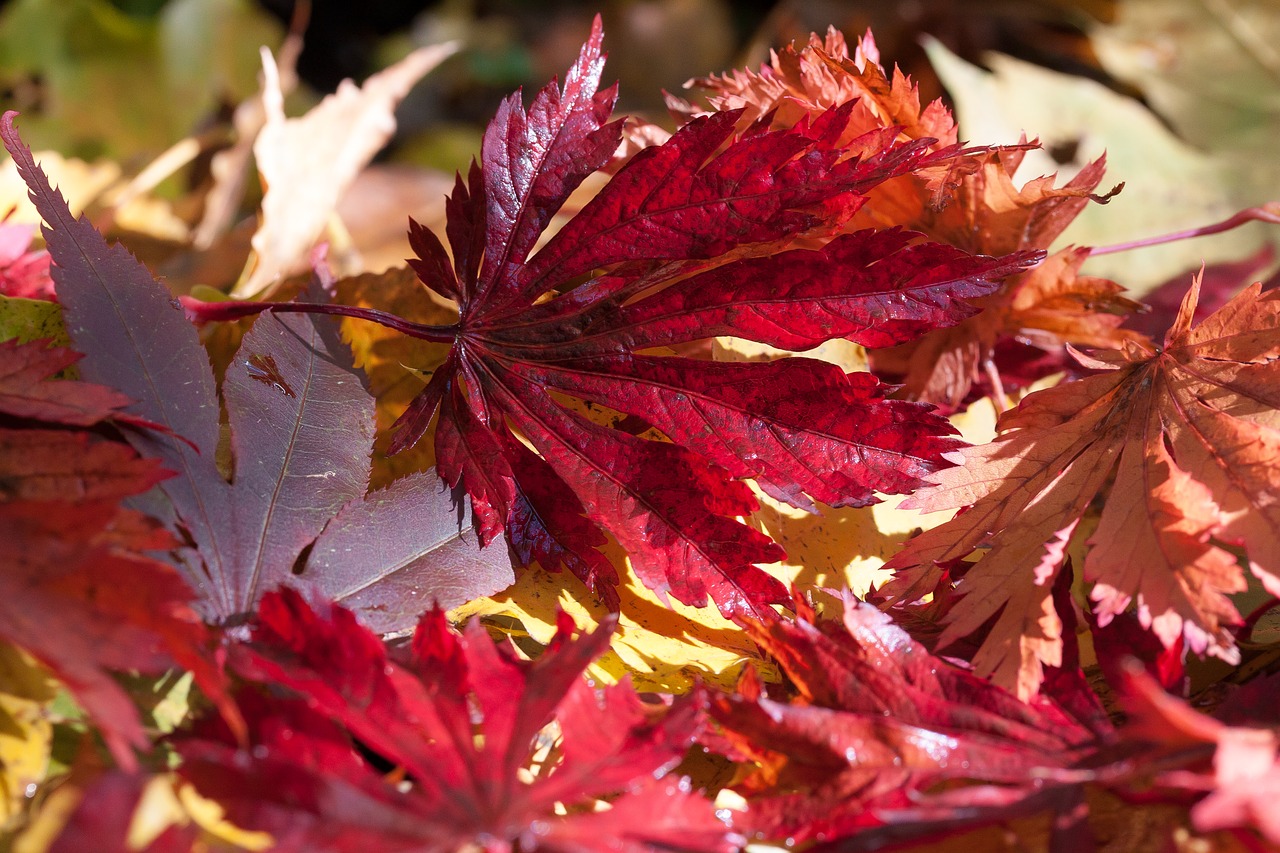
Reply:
x=94, y=81
x=31, y=319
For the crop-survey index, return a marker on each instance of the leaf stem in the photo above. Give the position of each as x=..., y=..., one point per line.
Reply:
x=1269, y=212
x=199, y=311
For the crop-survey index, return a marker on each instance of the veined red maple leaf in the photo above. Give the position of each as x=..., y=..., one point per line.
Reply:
x=878, y=724
x=40, y=458
x=465, y=722
x=1188, y=435
x=689, y=235
x=77, y=592
x=686, y=242
x=1233, y=755
x=965, y=198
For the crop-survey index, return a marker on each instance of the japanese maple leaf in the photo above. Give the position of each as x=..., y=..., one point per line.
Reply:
x=879, y=721
x=1037, y=311
x=686, y=242
x=77, y=593
x=1233, y=755
x=799, y=83
x=301, y=429
x=466, y=724
x=962, y=197
x=1187, y=434
x=1017, y=338
x=47, y=451
x=1218, y=283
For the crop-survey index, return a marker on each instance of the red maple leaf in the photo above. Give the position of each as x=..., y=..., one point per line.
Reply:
x=877, y=724
x=1235, y=758
x=300, y=423
x=465, y=724
x=686, y=242
x=962, y=197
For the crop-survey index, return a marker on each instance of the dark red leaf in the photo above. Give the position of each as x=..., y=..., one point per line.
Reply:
x=25, y=394
x=76, y=592
x=389, y=555
x=61, y=465
x=688, y=240
x=465, y=721
x=1219, y=282
x=878, y=722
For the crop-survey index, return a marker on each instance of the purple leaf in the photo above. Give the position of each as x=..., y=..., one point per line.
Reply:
x=301, y=426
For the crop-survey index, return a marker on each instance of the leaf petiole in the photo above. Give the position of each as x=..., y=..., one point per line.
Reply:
x=1269, y=212
x=199, y=311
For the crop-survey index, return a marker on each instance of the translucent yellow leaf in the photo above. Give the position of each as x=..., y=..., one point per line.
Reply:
x=30, y=319
x=664, y=648
x=308, y=163
x=842, y=548
x=80, y=182
x=845, y=548
x=209, y=816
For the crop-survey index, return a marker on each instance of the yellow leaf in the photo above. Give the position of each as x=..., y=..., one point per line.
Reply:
x=664, y=648
x=209, y=816
x=397, y=365
x=841, y=548
x=31, y=319
x=80, y=182
x=1169, y=185
x=26, y=734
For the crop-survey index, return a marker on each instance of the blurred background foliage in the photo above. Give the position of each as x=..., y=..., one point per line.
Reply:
x=1184, y=94
x=121, y=78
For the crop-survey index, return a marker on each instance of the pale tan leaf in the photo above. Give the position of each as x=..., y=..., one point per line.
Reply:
x=308, y=163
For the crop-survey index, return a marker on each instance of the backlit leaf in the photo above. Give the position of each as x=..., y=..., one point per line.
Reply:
x=1189, y=433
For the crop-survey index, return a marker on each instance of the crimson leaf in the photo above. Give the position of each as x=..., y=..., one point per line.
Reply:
x=301, y=425
x=465, y=722
x=686, y=242
x=878, y=722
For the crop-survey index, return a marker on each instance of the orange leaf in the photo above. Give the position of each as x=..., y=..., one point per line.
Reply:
x=1189, y=435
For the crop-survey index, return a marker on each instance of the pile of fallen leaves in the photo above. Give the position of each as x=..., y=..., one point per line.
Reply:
x=491, y=552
